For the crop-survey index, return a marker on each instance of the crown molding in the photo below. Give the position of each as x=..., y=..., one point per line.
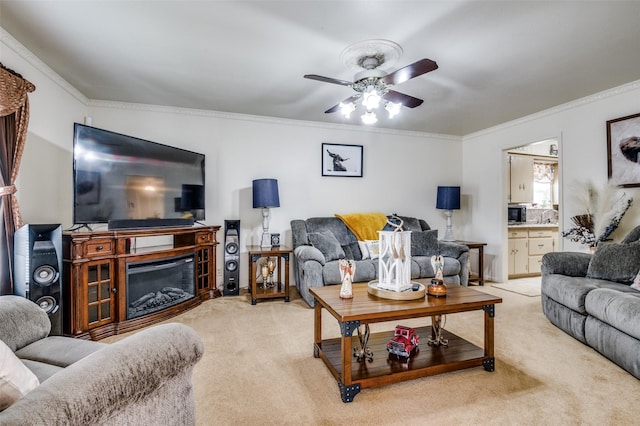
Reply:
x=13, y=44
x=619, y=90
x=263, y=119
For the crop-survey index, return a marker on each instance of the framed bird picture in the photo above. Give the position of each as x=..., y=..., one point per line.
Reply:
x=342, y=160
x=623, y=151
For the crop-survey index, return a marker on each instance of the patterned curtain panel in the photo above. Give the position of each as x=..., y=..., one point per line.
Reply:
x=14, y=117
x=543, y=173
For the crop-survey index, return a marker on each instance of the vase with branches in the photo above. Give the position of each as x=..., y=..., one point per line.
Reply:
x=605, y=207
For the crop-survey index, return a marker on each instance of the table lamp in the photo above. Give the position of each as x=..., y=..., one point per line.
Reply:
x=448, y=200
x=265, y=196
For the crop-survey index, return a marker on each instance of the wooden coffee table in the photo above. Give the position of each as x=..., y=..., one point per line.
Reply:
x=384, y=369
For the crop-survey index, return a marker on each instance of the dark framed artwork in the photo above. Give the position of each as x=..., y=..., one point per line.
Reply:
x=623, y=150
x=342, y=160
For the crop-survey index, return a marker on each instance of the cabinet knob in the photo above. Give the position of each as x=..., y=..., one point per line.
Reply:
x=114, y=290
x=99, y=248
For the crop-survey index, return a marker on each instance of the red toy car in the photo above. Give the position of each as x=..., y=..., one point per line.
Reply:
x=404, y=342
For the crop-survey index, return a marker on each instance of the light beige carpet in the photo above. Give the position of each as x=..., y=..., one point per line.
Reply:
x=525, y=286
x=259, y=369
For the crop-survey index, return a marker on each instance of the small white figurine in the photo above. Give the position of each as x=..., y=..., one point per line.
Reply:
x=347, y=272
x=437, y=263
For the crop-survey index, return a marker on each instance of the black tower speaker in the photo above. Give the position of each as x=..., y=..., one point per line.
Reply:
x=231, y=258
x=38, y=269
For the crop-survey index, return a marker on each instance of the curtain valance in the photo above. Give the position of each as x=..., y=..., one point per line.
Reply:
x=13, y=91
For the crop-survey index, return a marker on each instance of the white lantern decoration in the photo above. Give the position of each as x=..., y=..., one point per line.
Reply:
x=394, y=263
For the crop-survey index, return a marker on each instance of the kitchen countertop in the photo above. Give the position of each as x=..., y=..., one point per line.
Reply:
x=533, y=225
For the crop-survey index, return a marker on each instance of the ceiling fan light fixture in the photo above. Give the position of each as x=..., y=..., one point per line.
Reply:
x=347, y=109
x=371, y=98
x=393, y=108
x=369, y=117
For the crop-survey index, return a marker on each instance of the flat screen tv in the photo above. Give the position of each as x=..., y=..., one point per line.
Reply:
x=119, y=178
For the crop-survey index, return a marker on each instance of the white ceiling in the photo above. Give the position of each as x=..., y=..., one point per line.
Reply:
x=498, y=60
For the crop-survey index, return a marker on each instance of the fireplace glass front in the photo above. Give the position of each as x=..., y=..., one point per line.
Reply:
x=159, y=284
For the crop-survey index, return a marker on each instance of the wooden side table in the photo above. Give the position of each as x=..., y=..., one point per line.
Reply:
x=279, y=287
x=473, y=245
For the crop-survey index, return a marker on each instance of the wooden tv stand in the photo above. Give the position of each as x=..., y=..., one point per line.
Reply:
x=95, y=279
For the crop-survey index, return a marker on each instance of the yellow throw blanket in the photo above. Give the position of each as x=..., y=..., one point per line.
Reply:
x=365, y=226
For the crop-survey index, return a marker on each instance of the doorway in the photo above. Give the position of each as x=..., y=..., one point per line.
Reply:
x=533, y=186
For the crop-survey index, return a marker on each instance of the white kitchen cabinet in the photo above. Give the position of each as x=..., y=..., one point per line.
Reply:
x=520, y=178
x=527, y=246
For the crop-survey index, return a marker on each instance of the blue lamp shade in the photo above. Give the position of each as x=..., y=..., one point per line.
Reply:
x=448, y=198
x=265, y=193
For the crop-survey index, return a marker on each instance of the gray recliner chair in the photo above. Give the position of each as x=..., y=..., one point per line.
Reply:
x=144, y=378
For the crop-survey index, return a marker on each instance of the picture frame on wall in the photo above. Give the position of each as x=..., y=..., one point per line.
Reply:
x=623, y=151
x=342, y=160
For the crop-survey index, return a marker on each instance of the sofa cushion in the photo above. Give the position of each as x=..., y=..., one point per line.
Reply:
x=327, y=243
x=408, y=223
x=615, y=262
x=16, y=380
x=424, y=243
x=42, y=370
x=373, y=248
x=572, y=291
x=619, y=309
x=451, y=266
x=366, y=270
x=58, y=350
x=364, y=251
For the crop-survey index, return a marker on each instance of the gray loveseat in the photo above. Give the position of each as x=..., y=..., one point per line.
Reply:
x=590, y=298
x=316, y=262
x=144, y=378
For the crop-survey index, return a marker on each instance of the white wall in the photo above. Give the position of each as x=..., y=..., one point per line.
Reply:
x=401, y=169
x=580, y=126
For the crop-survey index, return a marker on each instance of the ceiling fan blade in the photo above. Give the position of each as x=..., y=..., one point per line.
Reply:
x=346, y=101
x=328, y=79
x=406, y=100
x=415, y=69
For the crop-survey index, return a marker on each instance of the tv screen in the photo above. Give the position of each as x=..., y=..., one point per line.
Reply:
x=119, y=177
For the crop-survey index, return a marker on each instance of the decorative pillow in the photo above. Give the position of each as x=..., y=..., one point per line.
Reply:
x=409, y=223
x=636, y=282
x=615, y=262
x=327, y=243
x=424, y=243
x=364, y=250
x=373, y=247
x=16, y=380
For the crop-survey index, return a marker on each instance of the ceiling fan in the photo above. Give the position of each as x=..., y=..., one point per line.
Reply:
x=373, y=85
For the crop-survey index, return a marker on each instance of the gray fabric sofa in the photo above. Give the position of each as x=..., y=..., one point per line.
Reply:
x=315, y=265
x=589, y=297
x=144, y=378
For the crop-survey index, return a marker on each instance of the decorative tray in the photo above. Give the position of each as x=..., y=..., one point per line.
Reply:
x=396, y=295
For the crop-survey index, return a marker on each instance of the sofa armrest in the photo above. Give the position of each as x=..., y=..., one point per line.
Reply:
x=304, y=253
x=19, y=313
x=101, y=385
x=572, y=264
x=449, y=249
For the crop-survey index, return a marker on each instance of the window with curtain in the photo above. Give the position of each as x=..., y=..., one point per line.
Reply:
x=14, y=117
x=543, y=179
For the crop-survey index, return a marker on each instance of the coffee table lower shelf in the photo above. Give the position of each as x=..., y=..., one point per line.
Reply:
x=387, y=369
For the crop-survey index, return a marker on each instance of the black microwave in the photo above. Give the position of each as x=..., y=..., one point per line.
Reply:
x=517, y=214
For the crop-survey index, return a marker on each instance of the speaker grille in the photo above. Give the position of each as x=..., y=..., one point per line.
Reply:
x=231, y=257
x=47, y=304
x=45, y=275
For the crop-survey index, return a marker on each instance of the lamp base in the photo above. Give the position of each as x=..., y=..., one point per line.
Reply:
x=448, y=233
x=266, y=241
